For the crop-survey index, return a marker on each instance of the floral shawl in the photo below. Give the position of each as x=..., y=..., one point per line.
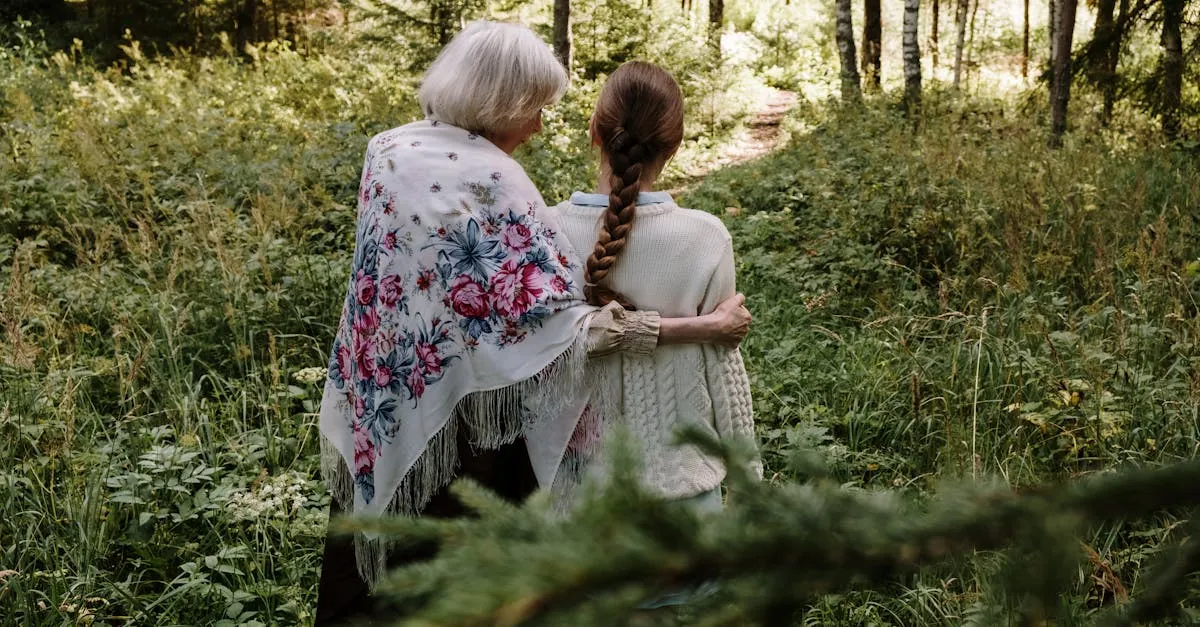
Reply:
x=463, y=302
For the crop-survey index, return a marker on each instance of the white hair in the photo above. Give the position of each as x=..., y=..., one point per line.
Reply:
x=492, y=77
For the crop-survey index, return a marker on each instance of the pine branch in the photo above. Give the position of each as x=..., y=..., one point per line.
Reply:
x=789, y=544
x=1167, y=583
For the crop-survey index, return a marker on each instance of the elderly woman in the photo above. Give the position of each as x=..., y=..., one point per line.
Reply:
x=464, y=326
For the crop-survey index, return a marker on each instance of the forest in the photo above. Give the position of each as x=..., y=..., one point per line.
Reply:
x=968, y=230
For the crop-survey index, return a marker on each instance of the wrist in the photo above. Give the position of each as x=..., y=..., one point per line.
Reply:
x=710, y=328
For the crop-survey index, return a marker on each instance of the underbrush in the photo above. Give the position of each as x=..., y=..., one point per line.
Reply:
x=964, y=303
x=174, y=240
x=173, y=247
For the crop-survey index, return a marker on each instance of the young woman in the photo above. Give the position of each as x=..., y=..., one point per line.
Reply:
x=647, y=252
x=464, y=320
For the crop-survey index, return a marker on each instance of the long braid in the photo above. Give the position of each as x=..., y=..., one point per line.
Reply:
x=638, y=125
x=625, y=160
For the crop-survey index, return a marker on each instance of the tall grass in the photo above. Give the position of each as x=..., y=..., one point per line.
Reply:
x=965, y=303
x=174, y=235
x=173, y=243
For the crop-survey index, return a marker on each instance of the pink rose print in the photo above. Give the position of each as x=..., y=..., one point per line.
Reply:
x=430, y=361
x=416, y=382
x=390, y=291
x=383, y=376
x=515, y=288
x=517, y=237
x=364, y=356
x=389, y=240
x=367, y=323
x=468, y=298
x=345, y=361
x=364, y=452
x=558, y=284
x=364, y=288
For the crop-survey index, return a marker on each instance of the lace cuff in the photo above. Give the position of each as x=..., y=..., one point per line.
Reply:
x=613, y=329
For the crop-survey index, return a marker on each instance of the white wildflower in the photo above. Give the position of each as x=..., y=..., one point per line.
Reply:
x=281, y=496
x=315, y=374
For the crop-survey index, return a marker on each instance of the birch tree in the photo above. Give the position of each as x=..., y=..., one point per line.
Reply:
x=912, y=59
x=960, y=36
x=851, y=86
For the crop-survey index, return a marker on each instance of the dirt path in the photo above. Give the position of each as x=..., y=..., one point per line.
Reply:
x=762, y=136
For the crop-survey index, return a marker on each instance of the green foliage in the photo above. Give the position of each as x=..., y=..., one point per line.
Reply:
x=608, y=33
x=419, y=29
x=173, y=242
x=965, y=303
x=171, y=257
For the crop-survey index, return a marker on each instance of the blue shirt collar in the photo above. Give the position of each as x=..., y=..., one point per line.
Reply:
x=601, y=200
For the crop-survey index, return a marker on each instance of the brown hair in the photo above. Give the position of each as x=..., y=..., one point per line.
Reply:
x=639, y=126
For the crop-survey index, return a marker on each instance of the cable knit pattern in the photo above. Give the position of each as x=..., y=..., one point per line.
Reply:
x=678, y=262
x=726, y=370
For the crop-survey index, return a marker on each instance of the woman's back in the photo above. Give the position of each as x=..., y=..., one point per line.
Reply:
x=672, y=258
x=679, y=262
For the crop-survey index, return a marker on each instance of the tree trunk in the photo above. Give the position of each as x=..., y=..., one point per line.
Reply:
x=934, y=45
x=1111, y=60
x=872, y=57
x=912, y=60
x=971, y=36
x=1025, y=44
x=1102, y=36
x=1172, y=64
x=851, y=88
x=1052, y=28
x=562, y=32
x=1062, y=72
x=246, y=27
x=960, y=37
x=716, y=23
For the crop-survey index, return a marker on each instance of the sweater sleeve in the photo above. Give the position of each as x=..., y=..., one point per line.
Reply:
x=725, y=372
x=612, y=329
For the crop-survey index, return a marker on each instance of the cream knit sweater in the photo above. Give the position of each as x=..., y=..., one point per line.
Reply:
x=678, y=262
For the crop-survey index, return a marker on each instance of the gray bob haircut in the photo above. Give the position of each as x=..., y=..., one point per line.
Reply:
x=492, y=77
